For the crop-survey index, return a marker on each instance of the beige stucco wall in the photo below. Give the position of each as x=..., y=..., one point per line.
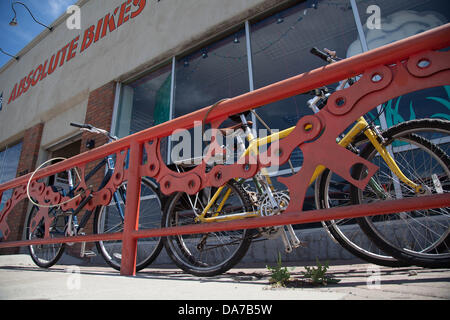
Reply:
x=161, y=30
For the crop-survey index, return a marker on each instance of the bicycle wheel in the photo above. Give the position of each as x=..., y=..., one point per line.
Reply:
x=212, y=253
x=333, y=191
x=109, y=220
x=45, y=255
x=420, y=237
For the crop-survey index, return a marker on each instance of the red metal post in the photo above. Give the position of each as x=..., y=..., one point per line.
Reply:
x=129, y=243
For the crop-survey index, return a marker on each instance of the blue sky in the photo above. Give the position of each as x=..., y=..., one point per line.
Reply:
x=14, y=39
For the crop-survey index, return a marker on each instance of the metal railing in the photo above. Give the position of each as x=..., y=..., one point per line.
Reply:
x=387, y=72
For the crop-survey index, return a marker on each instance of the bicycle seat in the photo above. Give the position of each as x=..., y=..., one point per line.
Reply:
x=230, y=130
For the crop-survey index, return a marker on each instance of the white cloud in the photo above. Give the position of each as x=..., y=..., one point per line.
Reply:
x=49, y=10
x=58, y=7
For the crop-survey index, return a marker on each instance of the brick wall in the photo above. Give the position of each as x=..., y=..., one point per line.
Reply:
x=27, y=163
x=99, y=114
x=30, y=149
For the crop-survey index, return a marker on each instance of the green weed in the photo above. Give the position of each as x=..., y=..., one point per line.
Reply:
x=318, y=274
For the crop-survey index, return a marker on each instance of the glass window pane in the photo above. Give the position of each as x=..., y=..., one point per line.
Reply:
x=145, y=102
x=9, y=160
x=386, y=21
x=217, y=71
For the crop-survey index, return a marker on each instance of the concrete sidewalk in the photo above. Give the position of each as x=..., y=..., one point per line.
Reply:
x=21, y=279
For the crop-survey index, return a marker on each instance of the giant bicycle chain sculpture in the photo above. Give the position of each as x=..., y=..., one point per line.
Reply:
x=315, y=135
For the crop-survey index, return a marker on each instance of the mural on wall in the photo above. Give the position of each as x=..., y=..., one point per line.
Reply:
x=399, y=25
x=394, y=114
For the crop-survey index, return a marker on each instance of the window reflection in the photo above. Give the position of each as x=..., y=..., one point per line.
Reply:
x=145, y=102
x=211, y=73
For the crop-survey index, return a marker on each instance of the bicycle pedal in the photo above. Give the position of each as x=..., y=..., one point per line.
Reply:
x=86, y=253
x=301, y=244
x=89, y=254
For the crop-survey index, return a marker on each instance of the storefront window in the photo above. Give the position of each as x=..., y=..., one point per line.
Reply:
x=9, y=160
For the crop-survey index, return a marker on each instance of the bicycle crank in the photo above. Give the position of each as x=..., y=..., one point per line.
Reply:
x=290, y=239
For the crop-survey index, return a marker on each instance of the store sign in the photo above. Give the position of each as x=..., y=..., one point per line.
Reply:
x=111, y=21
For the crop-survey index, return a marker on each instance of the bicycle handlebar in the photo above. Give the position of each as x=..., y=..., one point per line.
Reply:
x=321, y=55
x=93, y=129
x=83, y=126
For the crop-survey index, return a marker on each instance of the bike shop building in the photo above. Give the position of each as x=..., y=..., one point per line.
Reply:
x=138, y=63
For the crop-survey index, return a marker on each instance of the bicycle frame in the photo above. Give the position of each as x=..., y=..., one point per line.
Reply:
x=109, y=161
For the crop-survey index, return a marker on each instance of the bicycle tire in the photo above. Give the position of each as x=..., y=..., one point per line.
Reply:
x=347, y=232
x=53, y=252
x=432, y=253
x=190, y=252
x=150, y=209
